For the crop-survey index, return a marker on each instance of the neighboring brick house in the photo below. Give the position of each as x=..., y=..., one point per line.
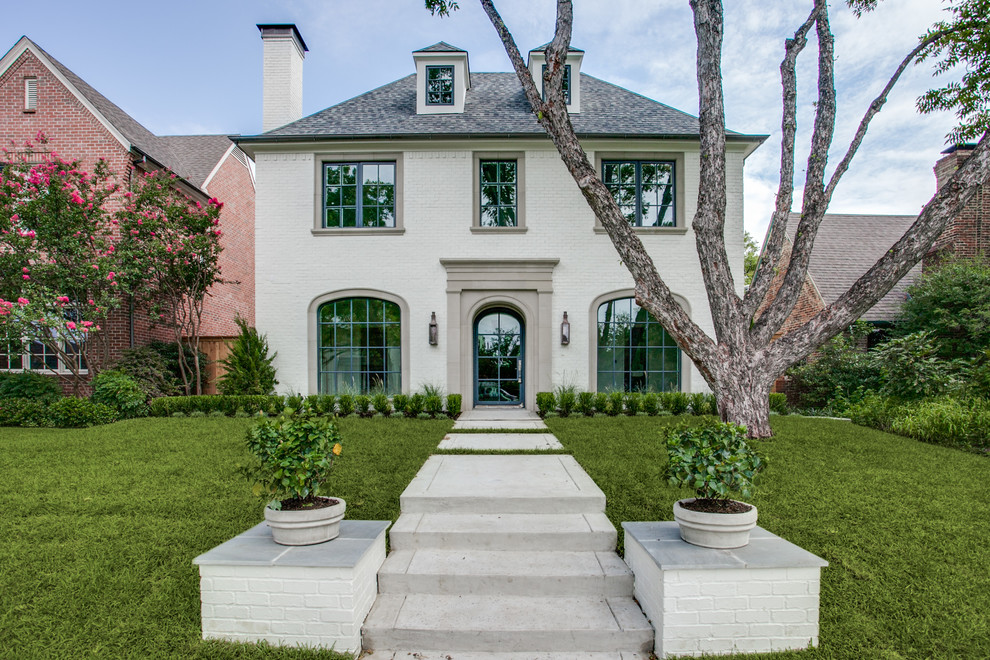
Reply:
x=845, y=248
x=38, y=93
x=427, y=232
x=968, y=234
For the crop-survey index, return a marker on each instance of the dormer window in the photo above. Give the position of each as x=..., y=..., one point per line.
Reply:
x=442, y=79
x=537, y=66
x=567, y=83
x=440, y=85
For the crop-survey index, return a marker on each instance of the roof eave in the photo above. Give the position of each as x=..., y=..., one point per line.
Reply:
x=245, y=142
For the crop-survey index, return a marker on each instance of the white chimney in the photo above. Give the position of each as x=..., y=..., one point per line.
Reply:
x=282, y=75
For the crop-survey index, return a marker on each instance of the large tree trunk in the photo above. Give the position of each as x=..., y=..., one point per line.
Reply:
x=744, y=398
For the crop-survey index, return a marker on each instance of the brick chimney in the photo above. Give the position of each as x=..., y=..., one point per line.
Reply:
x=968, y=234
x=282, y=75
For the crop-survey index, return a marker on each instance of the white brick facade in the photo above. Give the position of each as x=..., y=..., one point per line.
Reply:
x=315, y=596
x=760, y=598
x=296, y=266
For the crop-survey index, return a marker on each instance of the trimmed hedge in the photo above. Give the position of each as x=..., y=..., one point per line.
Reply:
x=252, y=404
x=324, y=404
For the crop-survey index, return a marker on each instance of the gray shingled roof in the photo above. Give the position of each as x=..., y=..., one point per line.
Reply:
x=440, y=47
x=495, y=106
x=544, y=47
x=178, y=154
x=846, y=247
x=199, y=154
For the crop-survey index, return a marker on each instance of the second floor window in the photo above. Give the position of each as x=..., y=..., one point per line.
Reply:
x=498, y=193
x=358, y=195
x=439, y=85
x=643, y=189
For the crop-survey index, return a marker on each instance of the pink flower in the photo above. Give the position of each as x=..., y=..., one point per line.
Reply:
x=70, y=325
x=76, y=198
x=27, y=277
x=22, y=301
x=90, y=301
x=110, y=276
x=25, y=270
x=86, y=324
x=15, y=218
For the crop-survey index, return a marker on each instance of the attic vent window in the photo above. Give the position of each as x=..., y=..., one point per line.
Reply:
x=30, y=94
x=439, y=85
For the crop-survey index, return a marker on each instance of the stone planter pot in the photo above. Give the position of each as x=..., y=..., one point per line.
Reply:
x=714, y=530
x=306, y=527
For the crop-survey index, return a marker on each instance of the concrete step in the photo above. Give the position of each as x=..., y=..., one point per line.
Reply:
x=519, y=624
x=500, y=441
x=481, y=655
x=510, y=573
x=499, y=425
x=502, y=484
x=577, y=532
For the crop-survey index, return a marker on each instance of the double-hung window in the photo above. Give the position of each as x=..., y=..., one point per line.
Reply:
x=499, y=188
x=440, y=85
x=566, y=83
x=643, y=189
x=359, y=194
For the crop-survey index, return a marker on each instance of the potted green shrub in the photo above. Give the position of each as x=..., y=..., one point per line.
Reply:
x=294, y=454
x=713, y=459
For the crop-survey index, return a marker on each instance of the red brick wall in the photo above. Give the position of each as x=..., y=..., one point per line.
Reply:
x=233, y=186
x=968, y=234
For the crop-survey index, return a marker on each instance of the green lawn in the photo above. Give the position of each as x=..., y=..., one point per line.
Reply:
x=100, y=527
x=905, y=526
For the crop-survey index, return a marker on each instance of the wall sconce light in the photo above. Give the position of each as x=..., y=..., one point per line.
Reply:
x=434, y=329
x=565, y=331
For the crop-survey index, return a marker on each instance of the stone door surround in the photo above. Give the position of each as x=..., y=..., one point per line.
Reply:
x=523, y=285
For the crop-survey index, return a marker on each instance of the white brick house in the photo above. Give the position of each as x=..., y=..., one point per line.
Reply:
x=440, y=194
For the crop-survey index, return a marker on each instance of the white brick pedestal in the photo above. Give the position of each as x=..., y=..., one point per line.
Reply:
x=759, y=598
x=253, y=589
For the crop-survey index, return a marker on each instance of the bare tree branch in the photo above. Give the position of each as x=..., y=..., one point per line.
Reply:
x=709, y=220
x=814, y=203
x=774, y=245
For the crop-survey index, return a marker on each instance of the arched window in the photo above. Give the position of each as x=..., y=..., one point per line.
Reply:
x=635, y=353
x=359, y=346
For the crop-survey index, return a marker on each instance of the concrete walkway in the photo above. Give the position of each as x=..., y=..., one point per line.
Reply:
x=501, y=422
x=504, y=558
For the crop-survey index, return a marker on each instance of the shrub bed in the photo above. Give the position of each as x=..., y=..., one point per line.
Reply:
x=952, y=421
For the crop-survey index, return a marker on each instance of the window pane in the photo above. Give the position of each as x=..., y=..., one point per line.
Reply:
x=489, y=195
x=489, y=216
x=333, y=196
x=348, y=174
x=507, y=217
x=360, y=360
x=507, y=172
x=507, y=195
x=350, y=217
x=489, y=172
x=643, y=358
x=333, y=218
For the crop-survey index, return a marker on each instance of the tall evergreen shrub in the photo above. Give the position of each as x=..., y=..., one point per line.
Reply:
x=249, y=367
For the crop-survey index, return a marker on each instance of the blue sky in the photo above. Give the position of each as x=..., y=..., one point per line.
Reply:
x=182, y=67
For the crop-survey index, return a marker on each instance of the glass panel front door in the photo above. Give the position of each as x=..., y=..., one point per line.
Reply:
x=498, y=358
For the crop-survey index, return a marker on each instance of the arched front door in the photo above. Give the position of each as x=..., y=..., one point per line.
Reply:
x=498, y=358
